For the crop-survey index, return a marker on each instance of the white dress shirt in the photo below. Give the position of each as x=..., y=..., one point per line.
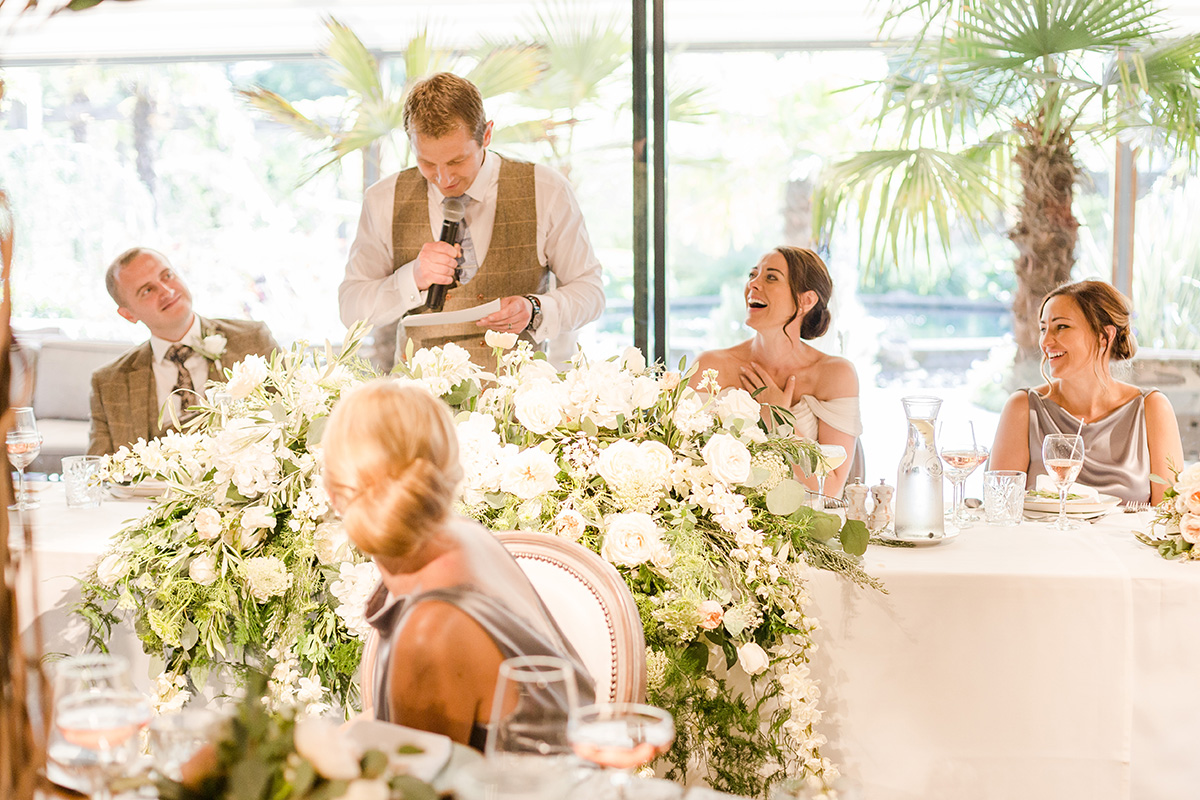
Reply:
x=165, y=372
x=372, y=291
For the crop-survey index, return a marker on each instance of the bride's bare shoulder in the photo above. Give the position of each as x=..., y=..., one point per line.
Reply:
x=838, y=378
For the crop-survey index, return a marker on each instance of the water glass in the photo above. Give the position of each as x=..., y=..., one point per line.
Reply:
x=534, y=697
x=1004, y=496
x=81, y=481
x=176, y=737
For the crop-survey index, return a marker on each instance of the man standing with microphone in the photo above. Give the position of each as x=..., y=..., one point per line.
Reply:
x=522, y=240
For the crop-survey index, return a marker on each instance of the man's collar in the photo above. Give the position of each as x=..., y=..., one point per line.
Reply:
x=159, y=347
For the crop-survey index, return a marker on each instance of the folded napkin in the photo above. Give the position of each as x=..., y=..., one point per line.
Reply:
x=1046, y=484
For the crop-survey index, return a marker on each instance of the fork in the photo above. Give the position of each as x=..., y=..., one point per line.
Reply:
x=1133, y=508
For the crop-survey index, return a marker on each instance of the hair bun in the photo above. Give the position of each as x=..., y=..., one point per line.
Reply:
x=816, y=323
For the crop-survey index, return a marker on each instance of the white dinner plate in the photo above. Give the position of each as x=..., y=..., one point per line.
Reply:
x=435, y=748
x=137, y=491
x=889, y=536
x=1082, y=505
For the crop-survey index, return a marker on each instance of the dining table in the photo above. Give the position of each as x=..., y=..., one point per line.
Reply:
x=999, y=662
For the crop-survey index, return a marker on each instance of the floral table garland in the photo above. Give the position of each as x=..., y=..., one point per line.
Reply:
x=685, y=493
x=1175, y=531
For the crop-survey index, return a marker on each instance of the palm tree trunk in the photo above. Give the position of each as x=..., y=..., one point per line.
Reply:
x=1046, y=229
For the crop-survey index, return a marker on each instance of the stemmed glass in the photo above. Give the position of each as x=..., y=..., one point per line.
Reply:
x=97, y=721
x=534, y=697
x=1062, y=453
x=832, y=457
x=23, y=443
x=622, y=736
x=961, y=454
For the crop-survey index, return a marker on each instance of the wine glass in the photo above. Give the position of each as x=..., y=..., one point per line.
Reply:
x=534, y=697
x=1062, y=453
x=832, y=457
x=176, y=737
x=961, y=454
x=23, y=444
x=97, y=735
x=621, y=736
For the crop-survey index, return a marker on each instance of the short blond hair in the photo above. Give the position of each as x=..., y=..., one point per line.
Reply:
x=442, y=102
x=112, y=276
x=391, y=465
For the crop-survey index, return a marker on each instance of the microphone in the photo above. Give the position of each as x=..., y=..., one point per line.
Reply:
x=453, y=212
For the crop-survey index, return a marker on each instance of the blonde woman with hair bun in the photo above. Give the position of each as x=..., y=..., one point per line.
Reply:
x=1128, y=433
x=452, y=603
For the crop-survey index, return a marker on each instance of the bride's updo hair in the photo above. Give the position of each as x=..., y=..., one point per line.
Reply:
x=1102, y=306
x=391, y=465
x=807, y=272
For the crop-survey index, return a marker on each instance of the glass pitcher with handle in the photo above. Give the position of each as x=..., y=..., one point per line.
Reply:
x=919, y=513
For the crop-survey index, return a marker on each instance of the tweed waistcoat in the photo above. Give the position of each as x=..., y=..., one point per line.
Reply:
x=510, y=268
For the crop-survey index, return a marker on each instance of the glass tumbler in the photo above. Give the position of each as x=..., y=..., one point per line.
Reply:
x=1004, y=496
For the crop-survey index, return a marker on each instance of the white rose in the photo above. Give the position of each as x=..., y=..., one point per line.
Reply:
x=690, y=416
x=538, y=406
x=629, y=539
x=203, y=569
x=331, y=543
x=529, y=474
x=539, y=368
x=752, y=658
x=662, y=556
x=333, y=756
x=214, y=344
x=736, y=404
x=505, y=341
x=248, y=375
x=645, y=392
x=208, y=523
x=727, y=458
x=111, y=569
x=569, y=524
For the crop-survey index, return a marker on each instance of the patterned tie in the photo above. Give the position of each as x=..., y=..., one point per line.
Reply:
x=468, y=265
x=177, y=354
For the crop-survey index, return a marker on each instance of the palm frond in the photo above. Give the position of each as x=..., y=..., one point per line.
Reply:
x=422, y=58
x=903, y=196
x=1157, y=88
x=582, y=53
x=280, y=110
x=352, y=66
x=501, y=70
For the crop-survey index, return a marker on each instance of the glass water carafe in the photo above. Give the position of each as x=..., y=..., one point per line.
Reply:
x=919, y=511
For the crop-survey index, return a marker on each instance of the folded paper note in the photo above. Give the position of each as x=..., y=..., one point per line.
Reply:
x=450, y=317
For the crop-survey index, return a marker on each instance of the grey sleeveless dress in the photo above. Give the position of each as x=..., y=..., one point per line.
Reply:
x=1116, y=448
x=512, y=635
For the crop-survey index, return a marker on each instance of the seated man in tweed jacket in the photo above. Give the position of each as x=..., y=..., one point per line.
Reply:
x=185, y=351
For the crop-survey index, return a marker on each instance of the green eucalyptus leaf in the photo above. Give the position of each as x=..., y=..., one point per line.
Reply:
x=757, y=476
x=854, y=537
x=786, y=497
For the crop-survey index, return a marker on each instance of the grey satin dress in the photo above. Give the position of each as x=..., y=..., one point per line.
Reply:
x=1116, y=448
x=513, y=636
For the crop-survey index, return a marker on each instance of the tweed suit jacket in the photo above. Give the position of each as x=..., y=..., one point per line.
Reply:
x=124, y=398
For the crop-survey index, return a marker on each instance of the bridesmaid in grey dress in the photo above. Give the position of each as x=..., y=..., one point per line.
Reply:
x=452, y=603
x=1128, y=433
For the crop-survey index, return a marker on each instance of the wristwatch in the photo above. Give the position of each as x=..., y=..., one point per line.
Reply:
x=535, y=318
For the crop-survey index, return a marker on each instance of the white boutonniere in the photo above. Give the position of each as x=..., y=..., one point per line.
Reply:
x=212, y=346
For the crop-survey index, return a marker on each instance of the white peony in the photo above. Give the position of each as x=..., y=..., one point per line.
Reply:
x=111, y=569
x=505, y=341
x=635, y=470
x=529, y=474
x=727, y=458
x=735, y=404
x=569, y=524
x=537, y=405
x=208, y=523
x=247, y=376
x=752, y=658
x=633, y=361
x=267, y=577
x=645, y=392
x=1189, y=528
x=203, y=569
x=630, y=539
x=258, y=517
x=332, y=755
x=331, y=543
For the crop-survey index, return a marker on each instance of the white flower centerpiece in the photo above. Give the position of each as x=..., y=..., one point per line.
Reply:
x=240, y=563
x=693, y=501
x=1175, y=531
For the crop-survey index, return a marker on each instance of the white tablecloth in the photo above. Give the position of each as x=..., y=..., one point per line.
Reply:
x=1008, y=663
x=1016, y=662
